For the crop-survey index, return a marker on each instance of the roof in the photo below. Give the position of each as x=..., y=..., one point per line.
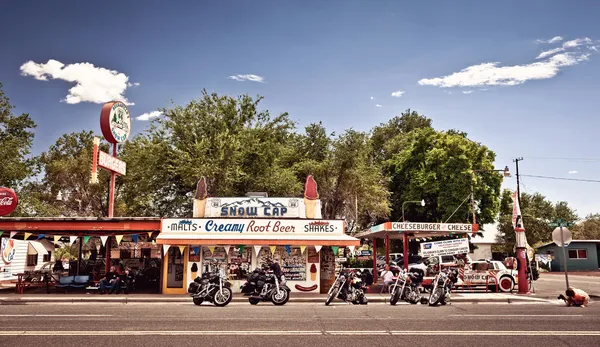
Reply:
x=77, y=226
x=574, y=241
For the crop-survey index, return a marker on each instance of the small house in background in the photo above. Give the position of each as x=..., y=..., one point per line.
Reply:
x=19, y=256
x=582, y=255
x=484, y=244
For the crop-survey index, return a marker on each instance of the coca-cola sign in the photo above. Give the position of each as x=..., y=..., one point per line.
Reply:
x=8, y=201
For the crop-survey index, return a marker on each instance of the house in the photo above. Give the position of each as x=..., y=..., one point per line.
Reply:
x=19, y=256
x=582, y=255
x=484, y=244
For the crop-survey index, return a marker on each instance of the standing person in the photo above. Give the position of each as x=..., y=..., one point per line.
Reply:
x=388, y=278
x=575, y=297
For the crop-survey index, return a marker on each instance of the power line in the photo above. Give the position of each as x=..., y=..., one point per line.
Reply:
x=563, y=178
x=565, y=158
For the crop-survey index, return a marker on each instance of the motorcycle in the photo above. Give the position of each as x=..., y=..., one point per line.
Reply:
x=212, y=287
x=267, y=284
x=407, y=287
x=442, y=285
x=348, y=286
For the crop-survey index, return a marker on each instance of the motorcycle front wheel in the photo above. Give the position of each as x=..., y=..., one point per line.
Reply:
x=395, y=296
x=281, y=297
x=436, y=296
x=330, y=295
x=223, y=298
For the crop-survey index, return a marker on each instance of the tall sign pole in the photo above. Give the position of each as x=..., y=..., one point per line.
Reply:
x=562, y=237
x=115, y=123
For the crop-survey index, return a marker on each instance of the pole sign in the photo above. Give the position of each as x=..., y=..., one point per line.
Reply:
x=110, y=163
x=115, y=122
x=8, y=201
x=447, y=227
x=446, y=247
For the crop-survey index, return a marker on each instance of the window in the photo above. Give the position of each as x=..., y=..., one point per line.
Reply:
x=578, y=254
x=47, y=257
x=32, y=259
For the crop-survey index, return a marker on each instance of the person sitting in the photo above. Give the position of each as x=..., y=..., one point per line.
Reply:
x=575, y=297
x=388, y=278
x=111, y=280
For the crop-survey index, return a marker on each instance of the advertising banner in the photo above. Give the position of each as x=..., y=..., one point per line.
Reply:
x=456, y=227
x=258, y=226
x=446, y=247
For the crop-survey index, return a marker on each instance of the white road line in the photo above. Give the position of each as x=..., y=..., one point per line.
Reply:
x=298, y=332
x=56, y=315
x=515, y=315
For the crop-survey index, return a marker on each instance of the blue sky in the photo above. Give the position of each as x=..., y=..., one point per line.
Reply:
x=336, y=61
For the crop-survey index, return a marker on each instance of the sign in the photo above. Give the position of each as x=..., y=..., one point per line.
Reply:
x=8, y=201
x=258, y=208
x=110, y=163
x=207, y=226
x=115, y=122
x=443, y=227
x=566, y=237
x=446, y=247
x=8, y=250
x=341, y=260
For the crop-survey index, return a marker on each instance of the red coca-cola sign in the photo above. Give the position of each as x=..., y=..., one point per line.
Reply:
x=8, y=201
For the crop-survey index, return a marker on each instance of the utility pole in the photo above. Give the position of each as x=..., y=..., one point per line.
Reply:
x=521, y=241
x=516, y=161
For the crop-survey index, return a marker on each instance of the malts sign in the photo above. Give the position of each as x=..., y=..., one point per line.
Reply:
x=8, y=201
x=252, y=226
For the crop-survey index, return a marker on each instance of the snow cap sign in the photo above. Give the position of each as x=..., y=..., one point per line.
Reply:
x=115, y=122
x=8, y=201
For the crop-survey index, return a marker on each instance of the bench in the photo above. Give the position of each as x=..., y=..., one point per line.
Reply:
x=75, y=282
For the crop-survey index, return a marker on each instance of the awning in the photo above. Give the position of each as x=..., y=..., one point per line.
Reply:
x=35, y=247
x=416, y=230
x=187, y=238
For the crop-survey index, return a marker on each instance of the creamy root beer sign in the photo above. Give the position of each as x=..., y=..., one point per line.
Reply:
x=252, y=226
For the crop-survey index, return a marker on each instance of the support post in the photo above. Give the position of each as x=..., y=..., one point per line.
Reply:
x=374, y=260
x=521, y=249
x=405, y=250
x=387, y=249
x=564, y=252
x=79, y=256
x=111, y=206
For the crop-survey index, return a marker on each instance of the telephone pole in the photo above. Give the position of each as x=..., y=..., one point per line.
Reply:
x=516, y=161
x=521, y=241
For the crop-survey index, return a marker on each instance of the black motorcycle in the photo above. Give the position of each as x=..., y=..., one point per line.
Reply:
x=348, y=286
x=266, y=283
x=441, y=287
x=212, y=287
x=407, y=287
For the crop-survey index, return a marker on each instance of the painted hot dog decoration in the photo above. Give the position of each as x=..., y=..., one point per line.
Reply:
x=310, y=197
x=306, y=289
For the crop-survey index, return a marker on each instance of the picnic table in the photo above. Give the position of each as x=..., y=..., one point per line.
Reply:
x=34, y=279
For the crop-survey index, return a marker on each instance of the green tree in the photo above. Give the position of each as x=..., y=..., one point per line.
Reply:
x=437, y=166
x=66, y=168
x=389, y=138
x=537, y=212
x=238, y=147
x=16, y=139
x=588, y=228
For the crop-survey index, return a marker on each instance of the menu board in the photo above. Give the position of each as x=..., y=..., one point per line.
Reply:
x=239, y=263
x=293, y=265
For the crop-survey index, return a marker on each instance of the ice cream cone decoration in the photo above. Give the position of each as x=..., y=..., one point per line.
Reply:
x=313, y=272
x=311, y=196
x=200, y=198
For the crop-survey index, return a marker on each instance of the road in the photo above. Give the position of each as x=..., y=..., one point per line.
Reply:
x=555, y=283
x=302, y=324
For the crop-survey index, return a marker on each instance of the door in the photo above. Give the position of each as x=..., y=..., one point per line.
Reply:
x=174, y=271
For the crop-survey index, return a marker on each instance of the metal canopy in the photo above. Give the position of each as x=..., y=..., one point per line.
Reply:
x=396, y=230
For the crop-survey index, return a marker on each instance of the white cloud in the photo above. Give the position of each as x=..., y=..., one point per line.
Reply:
x=372, y=98
x=467, y=91
x=378, y=105
x=555, y=39
x=149, y=115
x=573, y=172
x=398, y=93
x=492, y=74
x=92, y=84
x=135, y=84
x=251, y=78
x=567, y=45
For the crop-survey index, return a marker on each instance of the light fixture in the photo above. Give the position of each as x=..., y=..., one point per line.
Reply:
x=506, y=172
x=423, y=202
x=59, y=196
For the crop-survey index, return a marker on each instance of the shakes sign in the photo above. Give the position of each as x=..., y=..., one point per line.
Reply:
x=258, y=226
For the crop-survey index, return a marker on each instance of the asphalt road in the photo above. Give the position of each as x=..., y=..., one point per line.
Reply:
x=555, y=283
x=239, y=324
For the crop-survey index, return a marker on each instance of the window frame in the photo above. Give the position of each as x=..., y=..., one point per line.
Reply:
x=30, y=257
x=577, y=254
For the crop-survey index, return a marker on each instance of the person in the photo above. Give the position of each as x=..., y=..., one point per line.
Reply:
x=388, y=278
x=575, y=297
x=111, y=280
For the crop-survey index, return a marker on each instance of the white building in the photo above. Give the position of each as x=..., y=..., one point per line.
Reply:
x=19, y=256
x=484, y=244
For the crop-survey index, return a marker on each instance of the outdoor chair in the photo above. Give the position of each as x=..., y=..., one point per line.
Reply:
x=80, y=282
x=65, y=282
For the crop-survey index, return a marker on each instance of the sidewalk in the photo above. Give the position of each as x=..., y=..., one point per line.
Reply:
x=15, y=299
